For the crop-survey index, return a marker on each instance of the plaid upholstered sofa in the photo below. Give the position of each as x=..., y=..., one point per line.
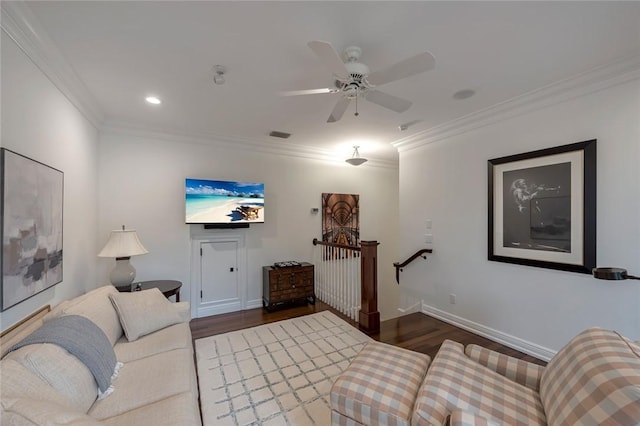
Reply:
x=593, y=380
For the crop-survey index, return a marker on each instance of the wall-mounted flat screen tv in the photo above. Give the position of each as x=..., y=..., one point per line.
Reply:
x=223, y=202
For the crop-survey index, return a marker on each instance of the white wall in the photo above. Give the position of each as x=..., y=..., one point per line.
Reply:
x=40, y=123
x=141, y=182
x=446, y=181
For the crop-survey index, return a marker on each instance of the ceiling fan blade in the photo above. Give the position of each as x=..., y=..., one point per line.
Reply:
x=388, y=101
x=329, y=57
x=411, y=66
x=307, y=92
x=339, y=109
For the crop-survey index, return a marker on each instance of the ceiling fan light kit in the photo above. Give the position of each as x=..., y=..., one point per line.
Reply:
x=356, y=160
x=354, y=79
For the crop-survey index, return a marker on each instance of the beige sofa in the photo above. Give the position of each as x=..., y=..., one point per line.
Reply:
x=155, y=385
x=593, y=380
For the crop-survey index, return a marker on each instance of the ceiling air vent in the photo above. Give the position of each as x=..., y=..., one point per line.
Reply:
x=277, y=134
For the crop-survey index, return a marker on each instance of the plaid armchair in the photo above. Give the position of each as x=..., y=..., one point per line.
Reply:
x=594, y=379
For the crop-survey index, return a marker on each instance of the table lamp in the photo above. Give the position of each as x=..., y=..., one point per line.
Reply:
x=123, y=244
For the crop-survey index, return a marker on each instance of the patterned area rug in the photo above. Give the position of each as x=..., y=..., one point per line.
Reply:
x=275, y=374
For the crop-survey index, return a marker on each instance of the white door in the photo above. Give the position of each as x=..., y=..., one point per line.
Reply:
x=220, y=284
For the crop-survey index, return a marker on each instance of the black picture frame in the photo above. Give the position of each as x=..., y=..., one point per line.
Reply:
x=31, y=231
x=542, y=208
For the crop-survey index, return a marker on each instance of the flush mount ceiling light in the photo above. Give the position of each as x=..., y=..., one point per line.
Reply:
x=356, y=160
x=153, y=100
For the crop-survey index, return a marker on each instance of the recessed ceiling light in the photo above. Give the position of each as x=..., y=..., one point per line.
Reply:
x=464, y=94
x=153, y=100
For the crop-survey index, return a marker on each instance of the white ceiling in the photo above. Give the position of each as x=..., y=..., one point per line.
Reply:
x=123, y=51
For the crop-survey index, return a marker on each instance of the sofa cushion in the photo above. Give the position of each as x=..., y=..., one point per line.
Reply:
x=464, y=418
x=181, y=409
x=455, y=382
x=147, y=381
x=143, y=312
x=177, y=336
x=594, y=379
x=17, y=381
x=379, y=386
x=34, y=411
x=518, y=370
x=60, y=370
x=184, y=310
x=96, y=306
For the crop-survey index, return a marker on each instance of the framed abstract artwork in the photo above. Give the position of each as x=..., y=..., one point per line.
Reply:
x=542, y=208
x=32, y=204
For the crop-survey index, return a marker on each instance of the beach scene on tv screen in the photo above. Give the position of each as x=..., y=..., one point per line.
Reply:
x=216, y=201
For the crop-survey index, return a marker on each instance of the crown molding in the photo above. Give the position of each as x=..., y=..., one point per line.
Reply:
x=615, y=73
x=271, y=147
x=23, y=27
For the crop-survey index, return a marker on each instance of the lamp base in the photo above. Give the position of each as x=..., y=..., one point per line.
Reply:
x=123, y=274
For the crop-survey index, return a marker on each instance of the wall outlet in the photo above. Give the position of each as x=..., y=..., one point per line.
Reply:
x=428, y=238
x=428, y=224
x=452, y=299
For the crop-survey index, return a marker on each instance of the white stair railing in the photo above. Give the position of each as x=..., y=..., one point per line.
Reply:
x=337, y=277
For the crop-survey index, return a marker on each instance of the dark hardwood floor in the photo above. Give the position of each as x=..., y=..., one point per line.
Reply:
x=418, y=332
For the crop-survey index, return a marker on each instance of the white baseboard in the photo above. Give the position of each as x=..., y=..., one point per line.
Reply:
x=521, y=345
x=217, y=309
x=410, y=309
x=225, y=308
x=252, y=304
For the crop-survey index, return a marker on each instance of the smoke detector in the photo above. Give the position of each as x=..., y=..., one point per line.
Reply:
x=218, y=76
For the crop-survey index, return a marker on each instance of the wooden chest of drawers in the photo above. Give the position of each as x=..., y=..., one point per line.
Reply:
x=284, y=285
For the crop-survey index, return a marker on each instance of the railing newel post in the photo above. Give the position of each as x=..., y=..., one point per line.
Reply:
x=369, y=317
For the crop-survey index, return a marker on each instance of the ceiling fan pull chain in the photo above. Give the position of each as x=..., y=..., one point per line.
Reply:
x=357, y=96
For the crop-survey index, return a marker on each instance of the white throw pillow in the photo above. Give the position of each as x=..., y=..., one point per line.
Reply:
x=143, y=312
x=61, y=370
x=96, y=306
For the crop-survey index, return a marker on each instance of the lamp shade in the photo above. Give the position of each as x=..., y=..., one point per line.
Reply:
x=123, y=243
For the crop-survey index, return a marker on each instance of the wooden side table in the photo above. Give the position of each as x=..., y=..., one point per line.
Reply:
x=167, y=287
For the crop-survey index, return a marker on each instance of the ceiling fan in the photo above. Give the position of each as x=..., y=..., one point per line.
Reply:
x=353, y=79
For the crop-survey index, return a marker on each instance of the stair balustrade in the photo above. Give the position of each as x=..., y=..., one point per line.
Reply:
x=347, y=280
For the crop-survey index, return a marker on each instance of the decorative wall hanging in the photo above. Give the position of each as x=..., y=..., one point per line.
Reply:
x=542, y=208
x=32, y=203
x=340, y=219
